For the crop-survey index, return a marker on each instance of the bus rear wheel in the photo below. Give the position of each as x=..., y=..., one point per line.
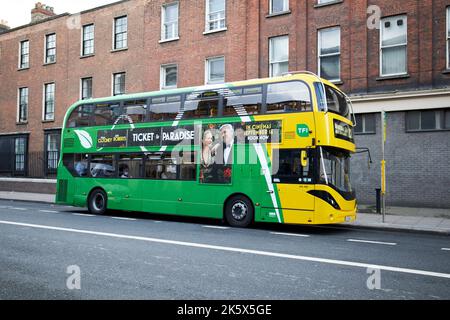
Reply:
x=97, y=202
x=239, y=211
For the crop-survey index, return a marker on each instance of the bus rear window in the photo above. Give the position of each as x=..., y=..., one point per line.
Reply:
x=80, y=116
x=291, y=96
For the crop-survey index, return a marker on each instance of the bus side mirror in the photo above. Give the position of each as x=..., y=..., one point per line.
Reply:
x=304, y=158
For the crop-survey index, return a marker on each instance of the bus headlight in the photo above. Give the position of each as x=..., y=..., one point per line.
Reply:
x=325, y=196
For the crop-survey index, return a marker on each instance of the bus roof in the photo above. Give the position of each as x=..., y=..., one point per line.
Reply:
x=306, y=76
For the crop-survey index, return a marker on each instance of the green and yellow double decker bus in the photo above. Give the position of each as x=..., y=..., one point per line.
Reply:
x=265, y=150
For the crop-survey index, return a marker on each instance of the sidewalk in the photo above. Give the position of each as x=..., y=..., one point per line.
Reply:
x=364, y=220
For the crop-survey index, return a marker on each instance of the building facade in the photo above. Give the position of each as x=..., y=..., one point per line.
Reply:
x=389, y=56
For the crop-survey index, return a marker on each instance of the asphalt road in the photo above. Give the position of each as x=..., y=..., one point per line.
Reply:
x=43, y=249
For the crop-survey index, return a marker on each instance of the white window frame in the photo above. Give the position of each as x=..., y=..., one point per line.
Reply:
x=44, y=99
x=447, y=27
x=163, y=22
x=285, y=5
x=82, y=54
x=19, y=104
x=207, y=70
x=271, y=63
x=114, y=33
x=162, y=80
x=320, y=56
x=20, y=54
x=81, y=87
x=382, y=20
x=113, y=86
x=207, y=21
x=46, y=49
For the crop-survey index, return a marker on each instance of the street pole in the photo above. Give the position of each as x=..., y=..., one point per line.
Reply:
x=383, y=165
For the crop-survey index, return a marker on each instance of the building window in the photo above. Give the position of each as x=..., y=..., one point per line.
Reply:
x=88, y=40
x=24, y=61
x=23, y=105
x=49, y=101
x=428, y=120
x=120, y=33
x=215, y=15
x=169, y=28
x=329, y=53
x=52, y=151
x=50, y=48
x=279, y=56
x=119, y=83
x=86, y=88
x=19, y=154
x=448, y=37
x=365, y=123
x=393, y=49
x=278, y=6
x=169, y=76
x=215, y=70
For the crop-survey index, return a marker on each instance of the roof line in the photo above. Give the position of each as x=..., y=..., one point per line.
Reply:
x=65, y=14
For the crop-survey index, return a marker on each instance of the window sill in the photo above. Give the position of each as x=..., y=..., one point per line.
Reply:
x=427, y=130
x=169, y=88
x=119, y=50
x=215, y=31
x=446, y=71
x=277, y=14
x=21, y=123
x=398, y=76
x=23, y=69
x=49, y=63
x=48, y=121
x=169, y=40
x=87, y=56
x=337, y=82
x=320, y=5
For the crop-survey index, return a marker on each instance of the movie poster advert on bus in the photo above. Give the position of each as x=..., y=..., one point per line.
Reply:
x=242, y=133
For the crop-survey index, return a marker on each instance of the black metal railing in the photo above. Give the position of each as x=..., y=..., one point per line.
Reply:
x=39, y=164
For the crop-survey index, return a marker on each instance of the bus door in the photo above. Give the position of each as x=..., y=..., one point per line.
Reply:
x=128, y=189
x=292, y=180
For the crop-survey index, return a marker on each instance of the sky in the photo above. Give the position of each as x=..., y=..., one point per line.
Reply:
x=18, y=12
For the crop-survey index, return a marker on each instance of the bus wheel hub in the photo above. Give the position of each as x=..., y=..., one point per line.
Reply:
x=239, y=210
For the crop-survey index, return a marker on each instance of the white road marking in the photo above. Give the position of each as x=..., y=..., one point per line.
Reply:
x=236, y=250
x=48, y=211
x=21, y=209
x=373, y=242
x=83, y=215
x=216, y=227
x=128, y=219
x=445, y=249
x=290, y=234
x=157, y=221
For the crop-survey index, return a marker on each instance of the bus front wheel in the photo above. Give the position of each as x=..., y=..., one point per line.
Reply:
x=97, y=202
x=239, y=211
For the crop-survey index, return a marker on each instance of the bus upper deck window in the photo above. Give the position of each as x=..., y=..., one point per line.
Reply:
x=165, y=108
x=293, y=96
x=80, y=116
x=135, y=111
x=106, y=114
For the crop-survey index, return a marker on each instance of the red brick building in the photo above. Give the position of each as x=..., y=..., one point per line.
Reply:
x=388, y=55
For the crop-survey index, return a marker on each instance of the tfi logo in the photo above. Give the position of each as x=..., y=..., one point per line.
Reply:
x=303, y=130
